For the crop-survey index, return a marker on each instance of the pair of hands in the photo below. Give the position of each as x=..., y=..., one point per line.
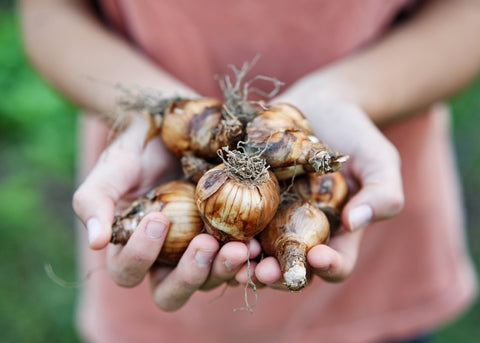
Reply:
x=127, y=170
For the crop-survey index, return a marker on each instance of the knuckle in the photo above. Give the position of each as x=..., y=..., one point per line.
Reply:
x=337, y=274
x=391, y=154
x=128, y=274
x=395, y=155
x=79, y=199
x=126, y=277
x=140, y=258
x=191, y=282
x=169, y=301
x=166, y=306
x=395, y=199
x=397, y=202
x=392, y=204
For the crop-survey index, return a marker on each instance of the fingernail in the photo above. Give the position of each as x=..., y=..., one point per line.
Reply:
x=324, y=269
x=94, y=229
x=204, y=257
x=155, y=229
x=229, y=265
x=360, y=217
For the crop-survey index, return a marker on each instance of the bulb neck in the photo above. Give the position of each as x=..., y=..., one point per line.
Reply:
x=292, y=257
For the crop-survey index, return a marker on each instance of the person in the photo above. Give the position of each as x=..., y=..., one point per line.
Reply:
x=368, y=75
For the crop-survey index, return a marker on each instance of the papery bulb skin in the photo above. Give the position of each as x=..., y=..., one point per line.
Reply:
x=175, y=200
x=199, y=127
x=194, y=167
x=288, y=145
x=327, y=192
x=235, y=210
x=280, y=116
x=295, y=228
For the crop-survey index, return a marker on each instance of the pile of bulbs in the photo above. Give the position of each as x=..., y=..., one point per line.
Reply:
x=250, y=171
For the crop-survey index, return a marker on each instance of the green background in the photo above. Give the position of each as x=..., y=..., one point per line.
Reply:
x=37, y=158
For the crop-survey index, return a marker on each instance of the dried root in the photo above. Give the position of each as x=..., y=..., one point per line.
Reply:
x=236, y=93
x=244, y=167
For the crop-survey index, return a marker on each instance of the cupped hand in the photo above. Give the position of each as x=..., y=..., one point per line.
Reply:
x=372, y=172
x=126, y=170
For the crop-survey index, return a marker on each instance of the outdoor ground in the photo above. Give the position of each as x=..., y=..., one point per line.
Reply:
x=37, y=142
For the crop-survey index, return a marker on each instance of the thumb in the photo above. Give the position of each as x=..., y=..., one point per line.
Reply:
x=96, y=209
x=380, y=196
x=116, y=172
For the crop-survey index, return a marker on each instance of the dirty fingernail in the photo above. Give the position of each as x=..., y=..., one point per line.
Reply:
x=230, y=266
x=155, y=229
x=94, y=229
x=360, y=217
x=204, y=257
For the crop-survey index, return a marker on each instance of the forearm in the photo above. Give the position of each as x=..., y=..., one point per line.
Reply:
x=70, y=47
x=426, y=59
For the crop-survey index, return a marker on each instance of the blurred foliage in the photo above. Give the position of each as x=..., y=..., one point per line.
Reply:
x=466, y=119
x=37, y=140
x=466, y=125
x=37, y=145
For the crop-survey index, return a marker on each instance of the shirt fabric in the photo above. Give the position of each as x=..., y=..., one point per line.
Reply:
x=413, y=271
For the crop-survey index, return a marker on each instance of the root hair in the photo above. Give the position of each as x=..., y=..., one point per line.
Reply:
x=236, y=93
x=244, y=167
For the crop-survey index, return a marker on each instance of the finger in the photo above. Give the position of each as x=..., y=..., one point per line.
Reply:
x=268, y=271
x=115, y=173
x=381, y=193
x=246, y=274
x=335, y=262
x=128, y=265
x=190, y=274
x=269, y=274
x=229, y=260
x=374, y=161
x=96, y=210
x=95, y=200
x=254, y=247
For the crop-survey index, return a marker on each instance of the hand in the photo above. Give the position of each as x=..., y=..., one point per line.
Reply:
x=126, y=170
x=373, y=175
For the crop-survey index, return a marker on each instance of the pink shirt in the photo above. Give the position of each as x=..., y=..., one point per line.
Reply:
x=413, y=271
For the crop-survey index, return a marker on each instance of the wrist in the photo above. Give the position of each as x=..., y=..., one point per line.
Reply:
x=336, y=84
x=318, y=87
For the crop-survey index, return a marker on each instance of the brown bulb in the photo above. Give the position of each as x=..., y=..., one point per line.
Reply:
x=286, y=141
x=194, y=167
x=279, y=117
x=296, y=227
x=237, y=200
x=199, y=127
x=328, y=192
x=175, y=200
